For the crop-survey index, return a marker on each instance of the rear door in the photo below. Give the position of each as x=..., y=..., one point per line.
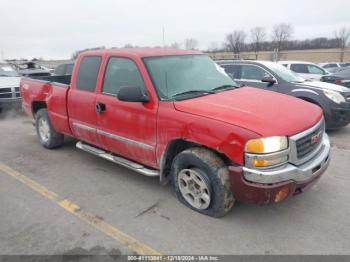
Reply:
x=82, y=100
x=126, y=128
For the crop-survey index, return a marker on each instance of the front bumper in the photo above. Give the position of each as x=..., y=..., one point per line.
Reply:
x=338, y=117
x=10, y=103
x=262, y=186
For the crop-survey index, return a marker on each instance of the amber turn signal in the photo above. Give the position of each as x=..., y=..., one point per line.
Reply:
x=282, y=194
x=270, y=162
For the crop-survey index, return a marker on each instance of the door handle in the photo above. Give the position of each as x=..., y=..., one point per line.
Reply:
x=100, y=107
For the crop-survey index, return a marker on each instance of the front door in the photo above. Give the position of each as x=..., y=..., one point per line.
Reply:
x=126, y=128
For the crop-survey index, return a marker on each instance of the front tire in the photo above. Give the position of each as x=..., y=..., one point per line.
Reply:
x=201, y=181
x=48, y=137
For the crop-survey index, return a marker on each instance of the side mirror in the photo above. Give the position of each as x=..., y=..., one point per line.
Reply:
x=268, y=79
x=132, y=94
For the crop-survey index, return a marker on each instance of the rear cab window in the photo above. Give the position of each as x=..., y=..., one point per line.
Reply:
x=88, y=73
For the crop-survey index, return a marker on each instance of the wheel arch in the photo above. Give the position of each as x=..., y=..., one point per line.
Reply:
x=37, y=105
x=176, y=146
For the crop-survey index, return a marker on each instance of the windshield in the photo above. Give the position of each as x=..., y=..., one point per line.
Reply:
x=7, y=70
x=190, y=75
x=284, y=73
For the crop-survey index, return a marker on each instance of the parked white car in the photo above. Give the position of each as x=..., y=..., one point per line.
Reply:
x=308, y=71
x=9, y=87
x=334, y=67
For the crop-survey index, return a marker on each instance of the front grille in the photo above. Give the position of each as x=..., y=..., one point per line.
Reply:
x=17, y=92
x=305, y=145
x=308, y=143
x=5, y=93
x=11, y=92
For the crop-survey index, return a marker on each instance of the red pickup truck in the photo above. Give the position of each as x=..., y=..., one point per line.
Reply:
x=177, y=115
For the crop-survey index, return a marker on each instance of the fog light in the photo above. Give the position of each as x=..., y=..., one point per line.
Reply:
x=282, y=194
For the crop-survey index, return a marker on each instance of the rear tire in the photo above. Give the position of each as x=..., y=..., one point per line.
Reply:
x=48, y=137
x=201, y=181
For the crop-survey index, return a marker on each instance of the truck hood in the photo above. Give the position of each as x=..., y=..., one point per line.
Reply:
x=323, y=85
x=266, y=113
x=9, y=82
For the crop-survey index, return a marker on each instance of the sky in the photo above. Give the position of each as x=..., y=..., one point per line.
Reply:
x=55, y=29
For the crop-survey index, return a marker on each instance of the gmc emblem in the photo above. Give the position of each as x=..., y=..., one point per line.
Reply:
x=316, y=137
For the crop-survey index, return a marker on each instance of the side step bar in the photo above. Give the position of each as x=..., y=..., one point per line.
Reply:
x=118, y=160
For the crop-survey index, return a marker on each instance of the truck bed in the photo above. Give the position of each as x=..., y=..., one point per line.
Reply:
x=64, y=79
x=50, y=94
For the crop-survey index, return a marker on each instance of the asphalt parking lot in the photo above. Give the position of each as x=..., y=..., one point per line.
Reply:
x=126, y=206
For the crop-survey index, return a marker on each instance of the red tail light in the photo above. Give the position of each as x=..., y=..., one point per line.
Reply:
x=338, y=82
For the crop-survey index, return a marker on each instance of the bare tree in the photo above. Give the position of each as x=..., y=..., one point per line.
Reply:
x=343, y=38
x=191, y=44
x=281, y=33
x=257, y=35
x=235, y=42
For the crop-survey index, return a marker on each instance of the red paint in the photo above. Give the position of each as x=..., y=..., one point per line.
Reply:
x=267, y=113
x=247, y=192
x=222, y=122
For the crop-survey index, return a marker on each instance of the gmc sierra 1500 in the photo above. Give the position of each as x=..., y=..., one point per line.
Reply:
x=177, y=115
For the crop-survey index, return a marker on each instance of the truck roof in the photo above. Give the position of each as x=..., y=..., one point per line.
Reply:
x=142, y=52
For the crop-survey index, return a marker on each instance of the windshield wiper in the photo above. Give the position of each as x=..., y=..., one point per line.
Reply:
x=224, y=87
x=200, y=92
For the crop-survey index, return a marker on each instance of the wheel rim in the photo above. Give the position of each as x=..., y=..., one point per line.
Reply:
x=44, y=130
x=194, y=188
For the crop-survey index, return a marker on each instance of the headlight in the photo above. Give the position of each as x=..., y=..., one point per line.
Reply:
x=266, y=152
x=266, y=145
x=334, y=96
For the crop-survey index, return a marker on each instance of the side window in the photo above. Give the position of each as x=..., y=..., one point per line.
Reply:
x=121, y=72
x=232, y=70
x=251, y=72
x=88, y=72
x=59, y=70
x=330, y=66
x=315, y=70
x=299, y=68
